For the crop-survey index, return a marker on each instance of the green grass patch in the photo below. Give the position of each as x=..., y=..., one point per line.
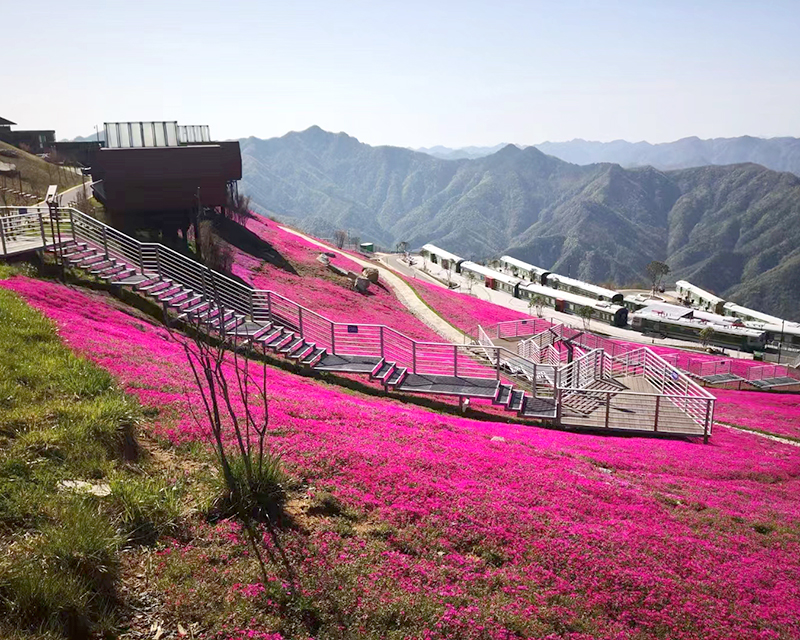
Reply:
x=72, y=488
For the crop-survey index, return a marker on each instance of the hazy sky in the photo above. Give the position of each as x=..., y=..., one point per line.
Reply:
x=409, y=73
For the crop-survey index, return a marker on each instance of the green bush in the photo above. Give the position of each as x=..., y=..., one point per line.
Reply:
x=146, y=507
x=261, y=495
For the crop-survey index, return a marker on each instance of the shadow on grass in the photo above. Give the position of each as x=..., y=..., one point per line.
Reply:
x=249, y=242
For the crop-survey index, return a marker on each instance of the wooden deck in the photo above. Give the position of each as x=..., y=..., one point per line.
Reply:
x=627, y=410
x=22, y=245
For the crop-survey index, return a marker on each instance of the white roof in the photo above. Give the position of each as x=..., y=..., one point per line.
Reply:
x=522, y=265
x=486, y=272
x=788, y=329
x=671, y=313
x=574, y=298
x=664, y=311
x=586, y=286
x=700, y=293
x=431, y=248
x=736, y=309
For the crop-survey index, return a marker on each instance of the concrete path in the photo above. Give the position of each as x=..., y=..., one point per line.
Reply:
x=793, y=443
x=404, y=293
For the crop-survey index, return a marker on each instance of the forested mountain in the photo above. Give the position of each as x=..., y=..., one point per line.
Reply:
x=780, y=154
x=733, y=229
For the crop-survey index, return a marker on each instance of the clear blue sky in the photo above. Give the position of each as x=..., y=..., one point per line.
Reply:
x=409, y=73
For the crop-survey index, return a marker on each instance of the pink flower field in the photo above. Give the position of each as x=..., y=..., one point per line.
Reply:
x=777, y=413
x=318, y=289
x=540, y=534
x=461, y=310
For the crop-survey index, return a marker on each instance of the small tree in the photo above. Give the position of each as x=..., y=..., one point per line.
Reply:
x=339, y=237
x=402, y=246
x=537, y=302
x=470, y=277
x=585, y=314
x=706, y=335
x=655, y=272
x=239, y=207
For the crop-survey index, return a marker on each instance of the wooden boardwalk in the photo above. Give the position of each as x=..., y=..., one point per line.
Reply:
x=635, y=409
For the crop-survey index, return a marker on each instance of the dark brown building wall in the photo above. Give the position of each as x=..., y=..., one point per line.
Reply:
x=167, y=178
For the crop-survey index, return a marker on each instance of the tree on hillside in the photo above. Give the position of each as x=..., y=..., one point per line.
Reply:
x=536, y=302
x=339, y=238
x=585, y=314
x=238, y=207
x=656, y=271
x=402, y=246
x=470, y=276
x=706, y=335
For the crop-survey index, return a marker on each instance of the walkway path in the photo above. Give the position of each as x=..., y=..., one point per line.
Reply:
x=404, y=293
x=768, y=436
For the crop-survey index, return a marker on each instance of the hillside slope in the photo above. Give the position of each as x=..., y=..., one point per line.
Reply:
x=731, y=229
x=36, y=175
x=446, y=527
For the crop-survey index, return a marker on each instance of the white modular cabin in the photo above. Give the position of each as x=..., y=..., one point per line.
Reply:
x=441, y=257
x=491, y=278
x=738, y=311
x=680, y=322
x=583, y=288
x=523, y=269
x=699, y=297
x=568, y=302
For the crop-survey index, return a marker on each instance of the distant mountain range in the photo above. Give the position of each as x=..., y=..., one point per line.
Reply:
x=732, y=229
x=780, y=154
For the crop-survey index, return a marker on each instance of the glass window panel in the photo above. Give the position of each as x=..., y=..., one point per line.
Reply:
x=124, y=134
x=112, y=138
x=136, y=134
x=160, y=135
x=149, y=136
x=172, y=133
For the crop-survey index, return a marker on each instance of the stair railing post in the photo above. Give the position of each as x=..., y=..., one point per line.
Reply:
x=383, y=348
x=72, y=224
x=333, y=338
x=655, y=418
x=105, y=241
x=300, y=319
x=413, y=357
x=141, y=258
x=269, y=305
x=41, y=228
x=3, y=234
x=455, y=360
x=608, y=408
x=497, y=358
x=252, y=306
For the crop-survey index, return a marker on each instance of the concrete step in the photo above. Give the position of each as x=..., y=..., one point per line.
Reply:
x=396, y=377
x=503, y=394
x=384, y=370
x=312, y=357
x=516, y=398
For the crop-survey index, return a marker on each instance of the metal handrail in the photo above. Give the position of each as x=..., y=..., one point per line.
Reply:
x=367, y=339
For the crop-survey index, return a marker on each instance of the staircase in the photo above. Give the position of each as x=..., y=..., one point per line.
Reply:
x=220, y=306
x=586, y=401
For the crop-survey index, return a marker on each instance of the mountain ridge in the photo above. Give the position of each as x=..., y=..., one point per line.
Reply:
x=732, y=228
x=781, y=153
